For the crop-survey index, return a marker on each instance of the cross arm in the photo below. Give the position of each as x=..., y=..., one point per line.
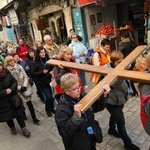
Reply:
x=134, y=75
x=84, y=67
x=132, y=57
x=96, y=92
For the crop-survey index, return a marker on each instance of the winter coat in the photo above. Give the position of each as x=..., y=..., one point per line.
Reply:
x=22, y=79
x=22, y=50
x=118, y=93
x=58, y=73
x=144, y=89
x=73, y=129
x=7, y=112
x=52, y=49
x=37, y=68
x=126, y=46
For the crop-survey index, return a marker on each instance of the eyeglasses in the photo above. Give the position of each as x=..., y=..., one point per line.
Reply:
x=74, y=37
x=76, y=88
x=49, y=39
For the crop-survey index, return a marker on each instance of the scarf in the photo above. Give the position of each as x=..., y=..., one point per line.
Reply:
x=16, y=72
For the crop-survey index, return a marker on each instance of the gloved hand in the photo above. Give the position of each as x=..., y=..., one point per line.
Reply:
x=23, y=89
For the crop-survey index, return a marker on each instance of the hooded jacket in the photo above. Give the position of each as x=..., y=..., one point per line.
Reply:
x=118, y=93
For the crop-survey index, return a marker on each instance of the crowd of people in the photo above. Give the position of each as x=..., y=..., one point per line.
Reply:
x=21, y=67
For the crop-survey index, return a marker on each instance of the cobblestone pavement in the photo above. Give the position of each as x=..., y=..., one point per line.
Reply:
x=46, y=137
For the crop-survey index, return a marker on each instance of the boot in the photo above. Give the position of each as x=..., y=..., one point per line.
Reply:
x=25, y=132
x=32, y=112
x=36, y=121
x=13, y=131
x=131, y=147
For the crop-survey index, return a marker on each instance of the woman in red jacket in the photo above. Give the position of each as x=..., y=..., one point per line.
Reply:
x=65, y=54
x=22, y=49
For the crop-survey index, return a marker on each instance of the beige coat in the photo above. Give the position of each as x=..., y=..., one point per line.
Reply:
x=52, y=49
x=22, y=79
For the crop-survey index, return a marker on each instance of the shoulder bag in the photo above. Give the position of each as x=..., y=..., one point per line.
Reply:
x=16, y=101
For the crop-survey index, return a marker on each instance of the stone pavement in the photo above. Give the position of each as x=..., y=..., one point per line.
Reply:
x=46, y=137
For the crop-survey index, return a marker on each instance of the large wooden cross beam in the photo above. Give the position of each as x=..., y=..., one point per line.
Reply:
x=111, y=75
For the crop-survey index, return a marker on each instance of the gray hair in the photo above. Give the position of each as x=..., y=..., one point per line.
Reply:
x=46, y=37
x=68, y=80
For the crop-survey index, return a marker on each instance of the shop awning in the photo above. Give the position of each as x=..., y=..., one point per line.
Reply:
x=85, y=2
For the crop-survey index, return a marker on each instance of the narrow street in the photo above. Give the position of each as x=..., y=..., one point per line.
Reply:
x=46, y=137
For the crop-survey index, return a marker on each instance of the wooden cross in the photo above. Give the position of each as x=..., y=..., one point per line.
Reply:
x=111, y=75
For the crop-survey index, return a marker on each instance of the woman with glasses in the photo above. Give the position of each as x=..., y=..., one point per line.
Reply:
x=72, y=124
x=79, y=52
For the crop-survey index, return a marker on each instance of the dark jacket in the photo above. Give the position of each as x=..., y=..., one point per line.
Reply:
x=37, y=73
x=126, y=46
x=144, y=89
x=58, y=73
x=119, y=89
x=73, y=129
x=7, y=113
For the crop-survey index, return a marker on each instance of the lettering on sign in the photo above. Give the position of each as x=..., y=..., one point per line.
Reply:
x=46, y=3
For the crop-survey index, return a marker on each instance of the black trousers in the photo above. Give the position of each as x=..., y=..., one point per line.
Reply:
x=31, y=109
x=117, y=118
x=19, y=120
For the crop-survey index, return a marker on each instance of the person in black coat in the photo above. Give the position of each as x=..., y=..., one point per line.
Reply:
x=72, y=124
x=126, y=46
x=30, y=59
x=42, y=75
x=8, y=88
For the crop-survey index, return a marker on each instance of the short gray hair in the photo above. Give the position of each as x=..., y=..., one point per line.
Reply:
x=46, y=37
x=68, y=80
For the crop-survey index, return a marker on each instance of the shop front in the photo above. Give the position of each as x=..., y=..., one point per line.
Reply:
x=119, y=14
